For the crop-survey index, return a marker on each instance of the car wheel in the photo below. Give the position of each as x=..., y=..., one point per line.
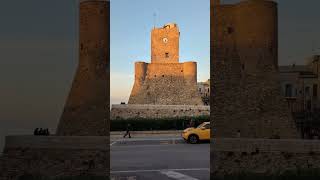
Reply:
x=193, y=139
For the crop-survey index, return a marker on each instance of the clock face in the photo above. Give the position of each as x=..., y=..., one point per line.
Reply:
x=165, y=40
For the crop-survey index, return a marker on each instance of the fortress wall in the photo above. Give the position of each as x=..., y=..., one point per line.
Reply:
x=245, y=89
x=157, y=111
x=54, y=156
x=139, y=78
x=256, y=31
x=190, y=72
x=85, y=109
x=245, y=96
x=160, y=69
x=165, y=83
x=225, y=67
x=270, y=156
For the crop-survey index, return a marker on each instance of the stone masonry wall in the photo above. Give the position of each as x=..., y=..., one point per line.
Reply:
x=265, y=156
x=245, y=87
x=160, y=48
x=157, y=111
x=54, y=156
x=165, y=84
x=86, y=112
x=245, y=95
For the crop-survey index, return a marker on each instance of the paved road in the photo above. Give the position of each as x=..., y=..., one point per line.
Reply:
x=159, y=158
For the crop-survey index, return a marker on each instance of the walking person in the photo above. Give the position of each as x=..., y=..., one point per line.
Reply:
x=191, y=123
x=128, y=131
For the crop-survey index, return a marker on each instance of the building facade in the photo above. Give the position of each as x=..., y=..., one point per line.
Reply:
x=300, y=85
x=204, y=91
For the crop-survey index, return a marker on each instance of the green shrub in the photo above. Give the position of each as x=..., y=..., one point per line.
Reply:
x=143, y=124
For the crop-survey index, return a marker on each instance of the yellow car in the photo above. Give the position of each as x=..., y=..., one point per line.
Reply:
x=194, y=135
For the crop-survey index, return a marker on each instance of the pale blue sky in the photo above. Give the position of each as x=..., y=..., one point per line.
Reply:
x=131, y=24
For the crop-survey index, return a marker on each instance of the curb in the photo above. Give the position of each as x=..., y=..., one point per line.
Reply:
x=147, y=132
x=149, y=141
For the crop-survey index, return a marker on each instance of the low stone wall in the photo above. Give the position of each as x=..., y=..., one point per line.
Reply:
x=266, y=156
x=125, y=111
x=55, y=156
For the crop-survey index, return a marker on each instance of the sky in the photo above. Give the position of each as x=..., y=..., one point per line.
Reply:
x=131, y=25
x=38, y=57
x=39, y=49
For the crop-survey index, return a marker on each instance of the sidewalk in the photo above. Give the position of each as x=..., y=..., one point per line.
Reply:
x=115, y=135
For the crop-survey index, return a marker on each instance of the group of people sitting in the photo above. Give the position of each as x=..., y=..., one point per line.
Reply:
x=41, y=132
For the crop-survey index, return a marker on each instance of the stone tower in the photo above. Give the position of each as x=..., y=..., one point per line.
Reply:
x=86, y=111
x=165, y=44
x=244, y=68
x=165, y=81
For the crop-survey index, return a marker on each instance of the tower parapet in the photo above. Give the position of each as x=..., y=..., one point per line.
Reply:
x=190, y=72
x=139, y=77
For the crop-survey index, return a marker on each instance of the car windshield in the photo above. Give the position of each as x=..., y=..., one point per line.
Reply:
x=203, y=124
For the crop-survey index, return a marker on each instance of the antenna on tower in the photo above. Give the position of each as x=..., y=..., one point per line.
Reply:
x=154, y=20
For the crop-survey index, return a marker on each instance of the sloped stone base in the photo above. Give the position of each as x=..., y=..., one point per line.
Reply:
x=128, y=111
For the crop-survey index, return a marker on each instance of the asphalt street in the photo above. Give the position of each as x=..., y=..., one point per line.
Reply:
x=159, y=158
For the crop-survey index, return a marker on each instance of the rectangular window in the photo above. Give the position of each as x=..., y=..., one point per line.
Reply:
x=167, y=55
x=315, y=90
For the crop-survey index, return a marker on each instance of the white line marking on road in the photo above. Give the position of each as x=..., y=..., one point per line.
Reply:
x=159, y=170
x=113, y=143
x=176, y=175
